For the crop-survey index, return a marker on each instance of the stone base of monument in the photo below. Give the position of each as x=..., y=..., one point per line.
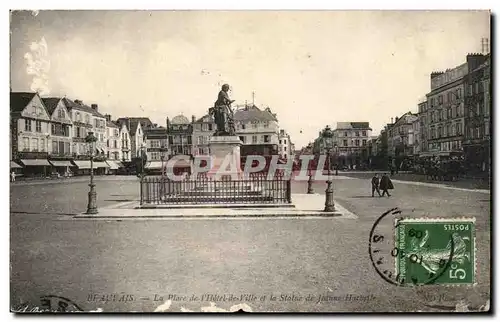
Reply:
x=225, y=158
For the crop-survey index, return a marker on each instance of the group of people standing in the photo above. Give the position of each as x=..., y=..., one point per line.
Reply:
x=384, y=184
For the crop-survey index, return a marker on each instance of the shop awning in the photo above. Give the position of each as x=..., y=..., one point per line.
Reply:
x=82, y=164
x=14, y=165
x=35, y=162
x=119, y=164
x=112, y=164
x=61, y=163
x=100, y=164
x=153, y=165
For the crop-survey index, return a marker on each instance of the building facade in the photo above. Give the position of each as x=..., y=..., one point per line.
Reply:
x=257, y=129
x=203, y=129
x=135, y=128
x=125, y=143
x=477, y=140
x=349, y=140
x=30, y=129
x=445, y=114
x=180, y=136
x=401, y=136
x=285, y=145
x=113, y=142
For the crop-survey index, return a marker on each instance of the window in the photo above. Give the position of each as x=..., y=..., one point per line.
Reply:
x=284, y=141
x=26, y=144
x=242, y=126
x=42, y=145
x=27, y=125
x=364, y=133
x=155, y=155
x=242, y=139
x=254, y=125
x=284, y=148
x=54, y=147
x=345, y=142
x=200, y=151
x=458, y=128
x=61, y=113
x=448, y=130
x=364, y=142
x=266, y=138
x=156, y=143
x=280, y=141
x=440, y=99
x=357, y=133
x=254, y=138
x=266, y=125
x=34, y=144
x=87, y=119
x=345, y=133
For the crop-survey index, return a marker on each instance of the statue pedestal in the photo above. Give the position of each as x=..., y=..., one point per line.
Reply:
x=225, y=158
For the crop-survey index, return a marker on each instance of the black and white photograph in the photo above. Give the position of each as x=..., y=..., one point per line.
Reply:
x=270, y=161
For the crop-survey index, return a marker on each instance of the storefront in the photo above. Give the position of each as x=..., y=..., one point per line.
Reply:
x=82, y=167
x=100, y=167
x=36, y=168
x=61, y=168
x=113, y=166
x=16, y=168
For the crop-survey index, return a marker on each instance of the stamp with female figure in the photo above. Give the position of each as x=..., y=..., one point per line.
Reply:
x=435, y=251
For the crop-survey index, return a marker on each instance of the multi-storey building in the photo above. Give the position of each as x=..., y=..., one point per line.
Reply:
x=445, y=109
x=30, y=130
x=349, y=139
x=125, y=143
x=81, y=116
x=257, y=129
x=414, y=137
x=100, y=131
x=422, y=123
x=180, y=140
x=135, y=127
x=113, y=142
x=203, y=129
x=285, y=145
x=157, y=147
x=400, y=142
x=60, y=153
x=477, y=117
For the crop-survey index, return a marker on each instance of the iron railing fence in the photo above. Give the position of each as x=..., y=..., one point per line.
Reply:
x=252, y=189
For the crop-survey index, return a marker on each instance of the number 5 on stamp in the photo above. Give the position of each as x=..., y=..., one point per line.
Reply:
x=436, y=251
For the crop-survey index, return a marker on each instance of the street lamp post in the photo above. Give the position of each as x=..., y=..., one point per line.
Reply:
x=309, y=183
x=143, y=152
x=328, y=143
x=336, y=147
x=92, y=202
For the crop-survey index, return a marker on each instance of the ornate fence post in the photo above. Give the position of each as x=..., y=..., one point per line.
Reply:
x=289, y=190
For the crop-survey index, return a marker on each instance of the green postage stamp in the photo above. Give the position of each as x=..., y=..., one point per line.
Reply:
x=435, y=251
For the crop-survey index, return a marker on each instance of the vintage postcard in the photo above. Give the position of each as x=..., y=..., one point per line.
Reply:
x=250, y=161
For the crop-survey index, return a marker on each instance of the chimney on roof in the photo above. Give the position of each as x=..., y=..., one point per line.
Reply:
x=392, y=120
x=168, y=123
x=94, y=107
x=193, y=119
x=108, y=117
x=155, y=125
x=396, y=119
x=79, y=102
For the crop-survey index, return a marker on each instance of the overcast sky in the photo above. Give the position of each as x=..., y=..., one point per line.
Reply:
x=312, y=68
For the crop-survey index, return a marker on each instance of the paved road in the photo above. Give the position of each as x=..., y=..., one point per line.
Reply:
x=52, y=253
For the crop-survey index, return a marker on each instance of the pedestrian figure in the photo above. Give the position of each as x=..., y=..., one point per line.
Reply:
x=386, y=185
x=375, y=183
x=13, y=177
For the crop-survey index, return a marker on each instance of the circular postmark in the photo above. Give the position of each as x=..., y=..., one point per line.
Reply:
x=48, y=304
x=406, y=256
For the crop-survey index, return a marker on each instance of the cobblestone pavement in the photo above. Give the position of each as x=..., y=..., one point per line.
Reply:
x=154, y=260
